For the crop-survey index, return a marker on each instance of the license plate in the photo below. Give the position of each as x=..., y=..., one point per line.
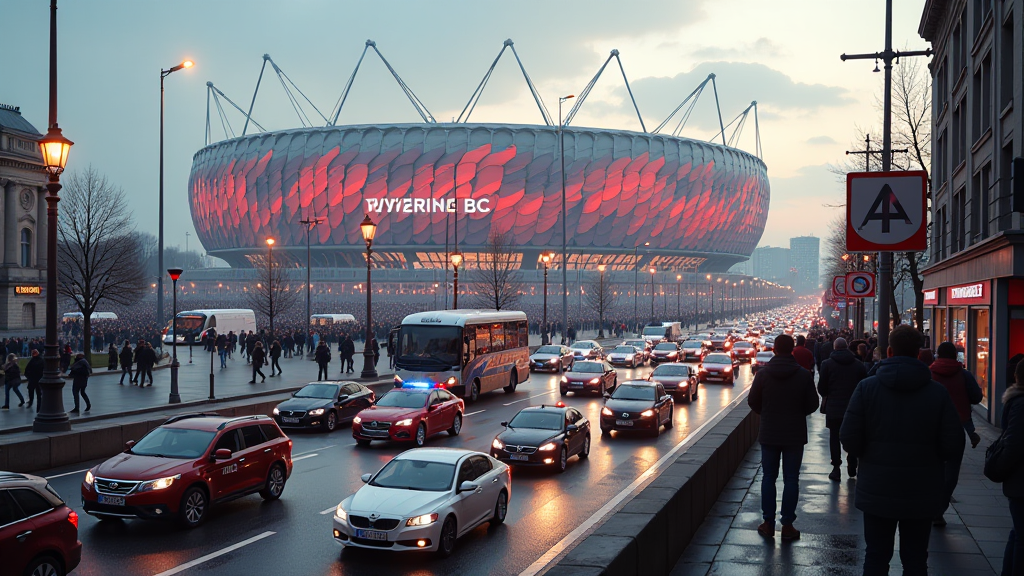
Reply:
x=372, y=535
x=111, y=500
x=623, y=422
x=575, y=385
x=288, y=420
x=519, y=457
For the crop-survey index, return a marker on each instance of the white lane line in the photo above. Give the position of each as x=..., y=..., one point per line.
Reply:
x=213, y=555
x=66, y=474
x=477, y=412
x=314, y=450
x=328, y=511
x=567, y=543
x=530, y=398
x=304, y=457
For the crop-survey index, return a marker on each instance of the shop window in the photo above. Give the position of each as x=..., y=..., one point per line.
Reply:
x=979, y=362
x=958, y=331
x=939, y=332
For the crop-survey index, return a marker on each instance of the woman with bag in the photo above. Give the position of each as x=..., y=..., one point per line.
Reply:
x=1003, y=464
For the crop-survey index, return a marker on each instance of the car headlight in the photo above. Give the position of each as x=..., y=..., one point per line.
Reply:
x=276, y=411
x=647, y=413
x=317, y=412
x=450, y=381
x=565, y=380
x=424, y=520
x=340, y=513
x=498, y=444
x=406, y=422
x=89, y=478
x=606, y=411
x=547, y=447
x=357, y=420
x=553, y=361
x=158, y=484
x=728, y=369
x=595, y=380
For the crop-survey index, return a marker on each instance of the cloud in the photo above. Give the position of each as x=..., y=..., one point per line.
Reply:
x=762, y=48
x=802, y=204
x=822, y=140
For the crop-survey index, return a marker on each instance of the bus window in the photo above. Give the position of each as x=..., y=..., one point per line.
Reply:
x=497, y=337
x=511, y=335
x=524, y=334
x=483, y=339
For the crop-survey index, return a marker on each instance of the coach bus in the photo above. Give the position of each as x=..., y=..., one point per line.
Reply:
x=193, y=323
x=469, y=352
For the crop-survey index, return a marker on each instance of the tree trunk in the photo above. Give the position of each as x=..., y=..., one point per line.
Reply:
x=894, y=309
x=918, y=281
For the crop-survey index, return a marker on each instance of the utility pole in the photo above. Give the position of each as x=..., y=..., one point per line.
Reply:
x=310, y=224
x=885, y=258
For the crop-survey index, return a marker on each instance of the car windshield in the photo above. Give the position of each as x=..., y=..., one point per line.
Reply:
x=415, y=475
x=548, y=350
x=742, y=344
x=627, y=392
x=588, y=367
x=692, y=344
x=399, y=399
x=420, y=345
x=665, y=346
x=671, y=370
x=717, y=359
x=583, y=345
x=325, y=391
x=187, y=323
x=654, y=331
x=638, y=343
x=624, y=350
x=174, y=443
x=537, y=419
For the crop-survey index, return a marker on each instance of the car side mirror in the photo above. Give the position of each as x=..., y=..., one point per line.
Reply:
x=366, y=478
x=222, y=454
x=467, y=487
x=343, y=397
x=504, y=424
x=294, y=394
x=432, y=407
x=128, y=445
x=572, y=428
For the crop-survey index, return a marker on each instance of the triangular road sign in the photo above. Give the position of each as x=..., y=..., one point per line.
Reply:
x=888, y=202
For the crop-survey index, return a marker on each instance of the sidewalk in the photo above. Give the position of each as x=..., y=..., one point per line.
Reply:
x=832, y=541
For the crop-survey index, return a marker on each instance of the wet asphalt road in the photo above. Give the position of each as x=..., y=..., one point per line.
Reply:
x=544, y=506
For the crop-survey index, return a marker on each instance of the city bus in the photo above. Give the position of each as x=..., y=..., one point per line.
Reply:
x=192, y=323
x=469, y=352
x=331, y=319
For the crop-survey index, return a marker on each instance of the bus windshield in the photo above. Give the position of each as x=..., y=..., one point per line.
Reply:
x=419, y=345
x=187, y=324
x=654, y=331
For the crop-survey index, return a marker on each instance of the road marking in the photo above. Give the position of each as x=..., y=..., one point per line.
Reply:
x=66, y=474
x=477, y=412
x=530, y=398
x=314, y=450
x=213, y=555
x=329, y=510
x=304, y=457
x=567, y=543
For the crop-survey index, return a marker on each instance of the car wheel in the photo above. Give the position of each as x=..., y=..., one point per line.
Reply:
x=446, y=541
x=44, y=566
x=671, y=413
x=456, y=425
x=586, y=448
x=362, y=443
x=274, y=485
x=563, y=392
x=421, y=435
x=563, y=460
x=193, y=508
x=500, y=509
x=474, y=391
x=331, y=422
x=513, y=381
x=605, y=433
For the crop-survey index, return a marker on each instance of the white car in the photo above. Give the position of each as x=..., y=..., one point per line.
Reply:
x=423, y=499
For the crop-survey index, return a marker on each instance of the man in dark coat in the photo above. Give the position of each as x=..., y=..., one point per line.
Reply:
x=126, y=362
x=80, y=372
x=145, y=365
x=838, y=377
x=259, y=358
x=375, y=348
x=275, y=357
x=783, y=394
x=34, y=373
x=803, y=355
x=323, y=358
x=901, y=425
x=348, y=350
x=825, y=350
x=1010, y=464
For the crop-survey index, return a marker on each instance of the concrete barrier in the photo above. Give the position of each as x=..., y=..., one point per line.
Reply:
x=648, y=535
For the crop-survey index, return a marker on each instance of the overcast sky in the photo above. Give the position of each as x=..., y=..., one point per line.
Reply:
x=782, y=53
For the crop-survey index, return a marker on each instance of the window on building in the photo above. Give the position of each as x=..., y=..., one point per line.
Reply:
x=26, y=248
x=940, y=172
x=1006, y=53
x=958, y=222
x=1004, y=213
x=958, y=50
x=941, y=87
x=943, y=232
x=986, y=200
x=959, y=134
x=982, y=97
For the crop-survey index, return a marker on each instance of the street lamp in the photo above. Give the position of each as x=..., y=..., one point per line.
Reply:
x=270, y=283
x=369, y=229
x=546, y=259
x=636, y=283
x=456, y=260
x=601, y=300
x=174, y=398
x=565, y=216
x=160, y=242
x=55, y=148
x=679, y=297
x=652, y=270
x=211, y=341
x=310, y=224
x=711, y=299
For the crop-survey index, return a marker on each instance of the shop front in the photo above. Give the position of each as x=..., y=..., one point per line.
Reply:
x=962, y=315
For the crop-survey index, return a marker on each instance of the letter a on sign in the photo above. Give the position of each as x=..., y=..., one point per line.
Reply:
x=886, y=211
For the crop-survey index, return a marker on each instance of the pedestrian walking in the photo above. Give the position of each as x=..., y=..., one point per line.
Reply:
x=375, y=348
x=258, y=357
x=149, y=359
x=837, y=378
x=250, y=344
x=112, y=357
x=323, y=358
x=275, y=357
x=1005, y=457
x=901, y=426
x=963, y=390
x=803, y=355
x=391, y=352
x=126, y=362
x=65, y=358
x=223, y=347
x=80, y=372
x=783, y=394
x=12, y=381
x=348, y=351
x=288, y=344
x=34, y=373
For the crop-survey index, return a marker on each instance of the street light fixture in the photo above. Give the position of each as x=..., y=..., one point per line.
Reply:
x=456, y=260
x=601, y=298
x=369, y=230
x=652, y=270
x=711, y=299
x=546, y=260
x=565, y=216
x=636, y=283
x=679, y=297
x=270, y=283
x=174, y=398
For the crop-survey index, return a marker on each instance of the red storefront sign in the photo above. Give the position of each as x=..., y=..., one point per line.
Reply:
x=976, y=293
x=931, y=297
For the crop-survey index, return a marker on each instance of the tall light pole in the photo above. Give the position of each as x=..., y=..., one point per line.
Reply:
x=679, y=297
x=55, y=148
x=711, y=299
x=369, y=229
x=174, y=397
x=456, y=260
x=601, y=299
x=270, y=282
x=636, y=283
x=565, y=216
x=310, y=224
x=652, y=270
x=160, y=240
x=546, y=260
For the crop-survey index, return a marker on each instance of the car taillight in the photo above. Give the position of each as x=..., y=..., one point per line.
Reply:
x=289, y=444
x=73, y=518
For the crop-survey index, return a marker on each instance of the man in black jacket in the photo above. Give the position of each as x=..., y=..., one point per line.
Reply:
x=783, y=394
x=34, y=373
x=838, y=375
x=322, y=357
x=126, y=362
x=901, y=425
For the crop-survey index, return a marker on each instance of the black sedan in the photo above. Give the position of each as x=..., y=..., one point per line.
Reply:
x=543, y=436
x=637, y=405
x=546, y=359
x=324, y=405
x=678, y=379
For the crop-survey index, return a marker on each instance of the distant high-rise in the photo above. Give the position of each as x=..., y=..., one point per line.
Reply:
x=804, y=254
x=771, y=263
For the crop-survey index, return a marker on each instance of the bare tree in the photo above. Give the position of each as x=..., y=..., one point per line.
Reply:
x=273, y=293
x=600, y=295
x=99, y=257
x=497, y=280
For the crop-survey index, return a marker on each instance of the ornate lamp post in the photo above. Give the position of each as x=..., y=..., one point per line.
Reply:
x=211, y=341
x=456, y=260
x=160, y=242
x=546, y=259
x=711, y=293
x=652, y=270
x=679, y=297
x=369, y=229
x=270, y=282
x=600, y=326
x=565, y=216
x=55, y=148
x=174, y=397
x=636, y=283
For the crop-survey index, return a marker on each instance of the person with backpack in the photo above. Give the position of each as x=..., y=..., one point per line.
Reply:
x=1003, y=464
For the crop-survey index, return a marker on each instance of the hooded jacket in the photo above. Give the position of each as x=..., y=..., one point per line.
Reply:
x=783, y=394
x=901, y=425
x=80, y=372
x=1013, y=440
x=34, y=369
x=962, y=386
x=838, y=376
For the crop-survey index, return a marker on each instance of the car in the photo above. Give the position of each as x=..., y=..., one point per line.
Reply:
x=409, y=415
x=678, y=379
x=637, y=405
x=543, y=436
x=642, y=345
x=546, y=359
x=588, y=376
x=323, y=405
x=743, y=350
x=665, y=352
x=423, y=500
x=586, y=350
x=625, y=356
x=38, y=531
x=693, y=350
x=718, y=367
x=759, y=360
x=718, y=343
x=178, y=469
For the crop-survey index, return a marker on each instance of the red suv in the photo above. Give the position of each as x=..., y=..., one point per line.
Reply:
x=190, y=461
x=38, y=532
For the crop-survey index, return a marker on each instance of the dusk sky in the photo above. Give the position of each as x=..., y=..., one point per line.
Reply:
x=784, y=54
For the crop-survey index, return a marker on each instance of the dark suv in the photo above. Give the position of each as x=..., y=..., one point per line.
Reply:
x=190, y=461
x=38, y=532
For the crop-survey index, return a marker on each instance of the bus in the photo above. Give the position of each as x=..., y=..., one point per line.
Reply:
x=469, y=352
x=330, y=319
x=193, y=323
x=77, y=316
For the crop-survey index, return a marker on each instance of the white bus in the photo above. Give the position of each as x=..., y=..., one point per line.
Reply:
x=192, y=323
x=330, y=319
x=469, y=352
x=77, y=316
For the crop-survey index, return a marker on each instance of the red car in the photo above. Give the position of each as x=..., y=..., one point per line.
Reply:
x=189, y=462
x=38, y=532
x=743, y=350
x=589, y=376
x=409, y=415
